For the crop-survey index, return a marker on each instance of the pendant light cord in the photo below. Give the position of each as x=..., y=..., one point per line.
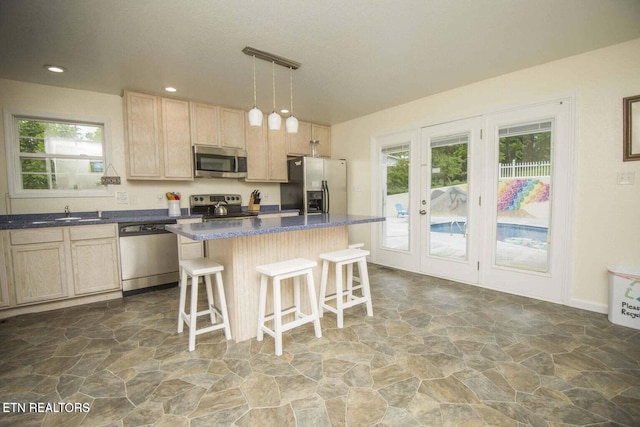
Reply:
x=273, y=67
x=291, y=81
x=255, y=102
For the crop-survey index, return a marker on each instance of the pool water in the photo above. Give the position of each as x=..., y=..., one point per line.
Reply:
x=519, y=234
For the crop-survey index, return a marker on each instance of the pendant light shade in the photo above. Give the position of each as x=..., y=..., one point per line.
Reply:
x=275, y=121
x=292, y=122
x=255, y=115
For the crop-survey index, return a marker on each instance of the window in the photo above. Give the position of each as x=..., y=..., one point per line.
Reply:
x=49, y=157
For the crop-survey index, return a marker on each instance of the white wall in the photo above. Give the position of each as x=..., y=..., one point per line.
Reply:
x=49, y=99
x=607, y=229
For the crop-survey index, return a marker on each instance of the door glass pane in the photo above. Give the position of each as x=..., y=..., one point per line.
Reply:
x=524, y=203
x=448, y=211
x=395, y=196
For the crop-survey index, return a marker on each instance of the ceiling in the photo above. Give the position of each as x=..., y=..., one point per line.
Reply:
x=358, y=56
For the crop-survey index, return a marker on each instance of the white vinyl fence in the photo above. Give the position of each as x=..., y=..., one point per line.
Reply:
x=525, y=169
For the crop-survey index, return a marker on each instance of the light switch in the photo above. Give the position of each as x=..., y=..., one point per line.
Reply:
x=626, y=178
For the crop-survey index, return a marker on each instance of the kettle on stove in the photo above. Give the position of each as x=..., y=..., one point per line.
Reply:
x=220, y=208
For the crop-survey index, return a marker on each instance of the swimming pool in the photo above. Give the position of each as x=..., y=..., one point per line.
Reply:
x=520, y=234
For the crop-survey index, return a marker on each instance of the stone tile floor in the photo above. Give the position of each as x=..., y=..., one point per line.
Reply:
x=435, y=353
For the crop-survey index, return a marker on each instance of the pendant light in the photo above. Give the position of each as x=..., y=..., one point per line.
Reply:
x=274, y=118
x=255, y=115
x=292, y=122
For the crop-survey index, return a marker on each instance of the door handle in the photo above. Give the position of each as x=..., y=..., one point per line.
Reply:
x=423, y=212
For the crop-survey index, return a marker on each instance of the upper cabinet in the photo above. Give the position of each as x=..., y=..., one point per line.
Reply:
x=217, y=126
x=298, y=143
x=158, y=138
x=205, y=126
x=323, y=135
x=232, y=128
x=266, y=154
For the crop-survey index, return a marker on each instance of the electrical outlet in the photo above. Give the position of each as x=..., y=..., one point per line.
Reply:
x=626, y=178
x=122, y=198
x=264, y=196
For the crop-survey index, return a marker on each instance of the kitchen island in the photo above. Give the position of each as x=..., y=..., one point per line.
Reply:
x=242, y=244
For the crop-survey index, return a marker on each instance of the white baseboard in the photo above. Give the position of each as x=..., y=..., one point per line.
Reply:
x=588, y=305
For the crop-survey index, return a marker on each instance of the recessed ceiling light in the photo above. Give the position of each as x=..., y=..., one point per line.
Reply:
x=284, y=111
x=55, y=68
x=170, y=89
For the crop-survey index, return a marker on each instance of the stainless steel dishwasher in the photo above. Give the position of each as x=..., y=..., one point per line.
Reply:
x=148, y=256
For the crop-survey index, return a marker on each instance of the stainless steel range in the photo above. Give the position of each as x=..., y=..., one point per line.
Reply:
x=205, y=205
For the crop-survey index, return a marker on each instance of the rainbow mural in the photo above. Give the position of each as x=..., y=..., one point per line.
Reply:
x=514, y=194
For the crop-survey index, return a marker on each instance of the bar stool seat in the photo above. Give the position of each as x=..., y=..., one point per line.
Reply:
x=196, y=268
x=278, y=271
x=345, y=298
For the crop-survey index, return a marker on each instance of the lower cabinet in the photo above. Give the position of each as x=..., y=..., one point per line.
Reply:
x=57, y=263
x=187, y=248
x=94, y=259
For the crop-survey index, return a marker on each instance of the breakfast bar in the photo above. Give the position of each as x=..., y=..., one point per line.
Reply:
x=242, y=244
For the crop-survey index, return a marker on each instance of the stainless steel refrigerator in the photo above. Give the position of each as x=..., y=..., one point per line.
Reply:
x=315, y=186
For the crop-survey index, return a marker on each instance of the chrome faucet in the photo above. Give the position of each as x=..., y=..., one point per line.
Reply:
x=67, y=212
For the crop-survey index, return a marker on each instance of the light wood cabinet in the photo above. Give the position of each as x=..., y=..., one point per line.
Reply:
x=187, y=248
x=323, y=135
x=94, y=259
x=142, y=128
x=232, y=125
x=298, y=143
x=176, y=139
x=59, y=263
x=4, y=283
x=158, y=138
x=39, y=265
x=266, y=154
x=205, y=125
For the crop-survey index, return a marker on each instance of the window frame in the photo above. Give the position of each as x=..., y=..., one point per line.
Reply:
x=12, y=146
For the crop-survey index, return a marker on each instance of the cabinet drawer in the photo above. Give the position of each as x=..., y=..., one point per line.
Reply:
x=36, y=235
x=86, y=232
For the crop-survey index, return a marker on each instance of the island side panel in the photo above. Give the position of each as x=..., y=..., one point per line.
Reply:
x=241, y=255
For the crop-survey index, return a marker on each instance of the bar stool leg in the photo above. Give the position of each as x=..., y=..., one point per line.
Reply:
x=364, y=278
x=323, y=286
x=261, y=306
x=207, y=283
x=277, y=315
x=314, y=306
x=296, y=296
x=339, y=308
x=349, y=281
x=193, y=315
x=183, y=299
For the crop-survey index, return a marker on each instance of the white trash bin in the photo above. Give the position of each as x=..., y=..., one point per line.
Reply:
x=624, y=296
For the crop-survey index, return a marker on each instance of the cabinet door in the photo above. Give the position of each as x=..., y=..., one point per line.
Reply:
x=298, y=143
x=4, y=283
x=95, y=266
x=232, y=128
x=39, y=272
x=176, y=138
x=277, y=155
x=322, y=134
x=257, y=149
x=204, y=124
x=187, y=248
x=142, y=135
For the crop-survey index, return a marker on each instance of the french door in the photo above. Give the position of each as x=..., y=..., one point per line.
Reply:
x=495, y=200
x=449, y=199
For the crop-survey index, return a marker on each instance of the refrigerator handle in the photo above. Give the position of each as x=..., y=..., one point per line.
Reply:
x=326, y=189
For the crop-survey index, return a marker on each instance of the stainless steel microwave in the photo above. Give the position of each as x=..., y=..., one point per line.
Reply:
x=217, y=162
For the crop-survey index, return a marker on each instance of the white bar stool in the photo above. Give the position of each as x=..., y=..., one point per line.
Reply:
x=350, y=277
x=345, y=298
x=294, y=268
x=196, y=268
